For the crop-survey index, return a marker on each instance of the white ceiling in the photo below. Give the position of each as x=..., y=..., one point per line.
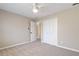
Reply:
x=25, y=9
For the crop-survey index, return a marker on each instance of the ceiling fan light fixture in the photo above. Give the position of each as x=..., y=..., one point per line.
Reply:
x=35, y=10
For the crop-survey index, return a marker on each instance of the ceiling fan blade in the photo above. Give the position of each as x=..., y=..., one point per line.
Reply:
x=75, y=4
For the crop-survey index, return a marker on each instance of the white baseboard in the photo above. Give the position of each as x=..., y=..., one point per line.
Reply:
x=75, y=50
x=13, y=45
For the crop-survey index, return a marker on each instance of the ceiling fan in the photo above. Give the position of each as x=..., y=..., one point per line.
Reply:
x=36, y=7
x=74, y=4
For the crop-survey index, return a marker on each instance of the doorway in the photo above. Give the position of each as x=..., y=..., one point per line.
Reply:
x=32, y=31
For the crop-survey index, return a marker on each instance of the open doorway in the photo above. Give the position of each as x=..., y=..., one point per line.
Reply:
x=38, y=30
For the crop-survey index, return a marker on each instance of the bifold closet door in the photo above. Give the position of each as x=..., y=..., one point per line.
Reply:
x=50, y=31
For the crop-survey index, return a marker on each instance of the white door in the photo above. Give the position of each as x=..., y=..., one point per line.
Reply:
x=50, y=31
x=33, y=31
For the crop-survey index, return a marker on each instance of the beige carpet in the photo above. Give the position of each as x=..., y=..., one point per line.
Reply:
x=37, y=49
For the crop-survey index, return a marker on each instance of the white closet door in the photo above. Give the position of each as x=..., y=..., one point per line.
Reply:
x=33, y=31
x=50, y=31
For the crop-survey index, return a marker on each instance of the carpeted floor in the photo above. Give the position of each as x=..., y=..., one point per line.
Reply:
x=37, y=49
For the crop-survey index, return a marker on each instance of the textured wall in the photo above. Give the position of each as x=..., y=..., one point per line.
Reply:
x=68, y=28
x=13, y=29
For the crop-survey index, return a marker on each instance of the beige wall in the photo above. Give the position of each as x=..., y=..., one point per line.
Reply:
x=67, y=27
x=13, y=29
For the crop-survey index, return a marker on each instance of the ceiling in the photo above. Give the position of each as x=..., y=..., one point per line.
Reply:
x=25, y=9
